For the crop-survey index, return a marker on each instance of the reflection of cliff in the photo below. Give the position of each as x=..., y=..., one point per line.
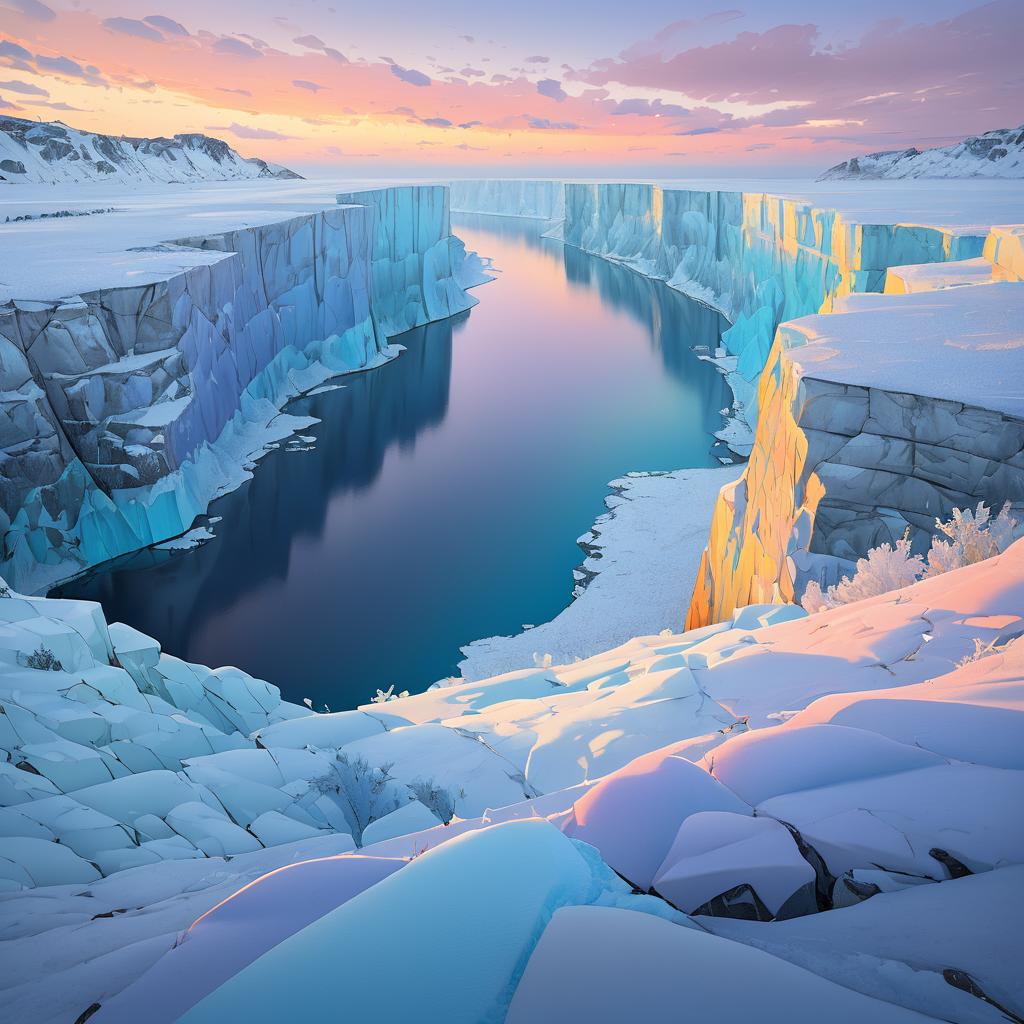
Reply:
x=675, y=323
x=164, y=593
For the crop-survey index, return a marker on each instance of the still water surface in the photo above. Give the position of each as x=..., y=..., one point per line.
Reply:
x=443, y=497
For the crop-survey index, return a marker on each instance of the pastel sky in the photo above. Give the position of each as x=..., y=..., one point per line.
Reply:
x=655, y=87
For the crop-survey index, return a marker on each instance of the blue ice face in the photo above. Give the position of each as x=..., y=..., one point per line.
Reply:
x=443, y=498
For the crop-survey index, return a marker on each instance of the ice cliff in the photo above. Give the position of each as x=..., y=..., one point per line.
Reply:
x=875, y=420
x=53, y=153
x=124, y=411
x=851, y=447
x=510, y=197
x=996, y=154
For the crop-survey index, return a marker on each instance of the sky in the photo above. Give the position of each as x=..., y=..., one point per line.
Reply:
x=535, y=87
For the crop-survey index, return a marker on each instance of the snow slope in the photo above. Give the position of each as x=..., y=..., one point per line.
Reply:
x=996, y=154
x=682, y=763
x=52, y=153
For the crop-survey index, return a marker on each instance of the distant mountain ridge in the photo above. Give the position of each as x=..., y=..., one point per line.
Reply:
x=53, y=153
x=996, y=154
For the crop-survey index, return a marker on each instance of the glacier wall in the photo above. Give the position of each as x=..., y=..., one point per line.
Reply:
x=760, y=259
x=536, y=199
x=124, y=412
x=876, y=420
x=839, y=462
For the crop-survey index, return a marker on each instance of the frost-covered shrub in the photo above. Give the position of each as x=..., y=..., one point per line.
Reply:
x=43, y=659
x=886, y=568
x=436, y=798
x=982, y=650
x=383, y=696
x=542, y=660
x=365, y=793
x=972, y=537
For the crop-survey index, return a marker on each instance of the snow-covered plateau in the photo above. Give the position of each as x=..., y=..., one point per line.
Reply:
x=819, y=814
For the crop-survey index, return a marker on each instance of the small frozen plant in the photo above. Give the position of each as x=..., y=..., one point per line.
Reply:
x=43, y=659
x=542, y=660
x=383, y=696
x=887, y=567
x=982, y=650
x=972, y=537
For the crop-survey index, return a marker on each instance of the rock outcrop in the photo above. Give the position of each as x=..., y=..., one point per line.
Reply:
x=876, y=420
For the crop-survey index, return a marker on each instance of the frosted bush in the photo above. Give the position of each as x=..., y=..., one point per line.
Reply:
x=43, y=659
x=982, y=650
x=542, y=660
x=383, y=696
x=886, y=568
x=364, y=792
x=442, y=802
x=972, y=537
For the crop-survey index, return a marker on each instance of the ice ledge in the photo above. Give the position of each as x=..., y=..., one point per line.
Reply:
x=961, y=345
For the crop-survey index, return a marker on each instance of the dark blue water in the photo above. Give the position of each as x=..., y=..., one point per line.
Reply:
x=445, y=492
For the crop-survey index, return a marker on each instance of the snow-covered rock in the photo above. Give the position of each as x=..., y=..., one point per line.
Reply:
x=716, y=853
x=633, y=815
x=996, y=154
x=605, y=965
x=52, y=153
x=864, y=774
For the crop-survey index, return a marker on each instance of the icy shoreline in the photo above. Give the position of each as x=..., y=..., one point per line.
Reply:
x=642, y=557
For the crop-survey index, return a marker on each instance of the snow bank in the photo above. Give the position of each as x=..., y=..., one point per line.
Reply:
x=641, y=564
x=831, y=767
x=605, y=965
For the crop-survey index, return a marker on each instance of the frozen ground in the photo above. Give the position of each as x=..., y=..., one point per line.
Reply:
x=641, y=564
x=852, y=775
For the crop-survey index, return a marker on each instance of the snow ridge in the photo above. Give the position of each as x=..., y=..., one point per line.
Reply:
x=996, y=154
x=52, y=153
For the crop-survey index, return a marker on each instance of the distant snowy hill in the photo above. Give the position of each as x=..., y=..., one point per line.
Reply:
x=52, y=153
x=996, y=154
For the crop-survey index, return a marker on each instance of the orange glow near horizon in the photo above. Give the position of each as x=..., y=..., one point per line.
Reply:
x=311, y=107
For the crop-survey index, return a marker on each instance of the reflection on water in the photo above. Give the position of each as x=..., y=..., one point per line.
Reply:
x=446, y=489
